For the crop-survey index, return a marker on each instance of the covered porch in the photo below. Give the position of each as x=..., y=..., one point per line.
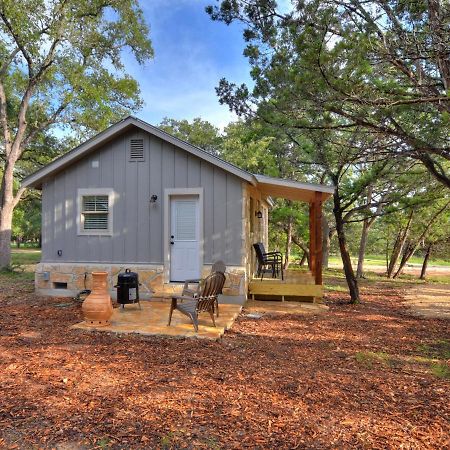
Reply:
x=299, y=284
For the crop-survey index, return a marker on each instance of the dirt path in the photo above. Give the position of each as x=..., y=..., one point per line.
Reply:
x=430, y=300
x=366, y=376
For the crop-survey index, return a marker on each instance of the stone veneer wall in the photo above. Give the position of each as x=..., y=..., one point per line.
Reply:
x=151, y=278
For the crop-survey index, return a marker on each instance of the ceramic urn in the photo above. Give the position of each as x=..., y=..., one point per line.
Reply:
x=97, y=307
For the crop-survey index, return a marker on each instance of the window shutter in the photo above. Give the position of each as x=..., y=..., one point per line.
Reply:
x=136, y=149
x=95, y=212
x=96, y=221
x=185, y=221
x=95, y=203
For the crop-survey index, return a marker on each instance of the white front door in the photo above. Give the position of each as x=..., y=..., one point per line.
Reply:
x=184, y=238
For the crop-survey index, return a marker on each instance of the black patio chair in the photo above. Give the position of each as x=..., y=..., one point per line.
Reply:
x=271, y=262
x=204, y=301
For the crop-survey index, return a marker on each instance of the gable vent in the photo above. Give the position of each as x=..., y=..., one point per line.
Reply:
x=136, y=149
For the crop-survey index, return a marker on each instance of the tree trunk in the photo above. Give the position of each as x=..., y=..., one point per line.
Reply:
x=398, y=246
x=303, y=247
x=425, y=262
x=409, y=251
x=326, y=239
x=304, y=259
x=367, y=224
x=387, y=255
x=413, y=246
x=362, y=248
x=352, y=282
x=396, y=250
x=6, y=215
x=288, y=243
x=5, y=235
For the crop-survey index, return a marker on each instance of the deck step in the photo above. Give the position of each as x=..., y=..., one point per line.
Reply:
x=285, y=289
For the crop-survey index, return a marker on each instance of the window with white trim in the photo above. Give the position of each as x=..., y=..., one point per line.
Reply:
x=95, y=211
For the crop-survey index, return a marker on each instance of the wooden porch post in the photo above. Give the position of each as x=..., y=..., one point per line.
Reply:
x=318, y=237
x=315, y=237
x=312, y=239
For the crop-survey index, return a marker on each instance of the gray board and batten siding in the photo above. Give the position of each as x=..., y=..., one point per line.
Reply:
x=137, y=231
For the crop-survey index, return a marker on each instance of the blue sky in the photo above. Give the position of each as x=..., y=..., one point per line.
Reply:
x=192, y=53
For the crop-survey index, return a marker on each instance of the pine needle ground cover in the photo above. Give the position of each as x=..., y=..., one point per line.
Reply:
x=365, y=376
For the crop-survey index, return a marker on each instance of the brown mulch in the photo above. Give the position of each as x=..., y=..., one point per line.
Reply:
x=281, y=382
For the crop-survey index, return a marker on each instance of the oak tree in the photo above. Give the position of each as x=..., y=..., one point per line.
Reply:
x=62, y=65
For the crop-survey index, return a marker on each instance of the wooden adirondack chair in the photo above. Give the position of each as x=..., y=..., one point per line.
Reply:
x=218, y=266
x=204, y=301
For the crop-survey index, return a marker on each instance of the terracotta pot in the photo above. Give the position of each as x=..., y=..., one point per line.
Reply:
x=97, y=307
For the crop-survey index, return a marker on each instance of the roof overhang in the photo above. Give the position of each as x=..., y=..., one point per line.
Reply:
x=291, y=190
x=36, y=179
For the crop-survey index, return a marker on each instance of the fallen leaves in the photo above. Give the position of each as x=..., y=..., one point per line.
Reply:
x=281, y=382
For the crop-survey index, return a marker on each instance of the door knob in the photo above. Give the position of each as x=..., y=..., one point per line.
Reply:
x=171, y=242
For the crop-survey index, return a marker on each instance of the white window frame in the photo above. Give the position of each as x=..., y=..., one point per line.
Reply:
x=95, y=191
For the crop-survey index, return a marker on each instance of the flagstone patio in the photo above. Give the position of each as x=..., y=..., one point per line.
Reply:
x=151, y=320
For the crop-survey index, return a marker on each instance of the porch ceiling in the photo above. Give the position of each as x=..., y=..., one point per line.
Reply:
x=292, y=190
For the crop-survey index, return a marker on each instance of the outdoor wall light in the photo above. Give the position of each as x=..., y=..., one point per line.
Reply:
x=153, y=198
x=258, y=214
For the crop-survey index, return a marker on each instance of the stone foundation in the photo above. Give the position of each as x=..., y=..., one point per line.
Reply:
x=67, y=279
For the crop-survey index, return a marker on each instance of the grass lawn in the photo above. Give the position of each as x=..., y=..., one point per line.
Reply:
x=380, y=260
x=365, y=376
x=25, y=256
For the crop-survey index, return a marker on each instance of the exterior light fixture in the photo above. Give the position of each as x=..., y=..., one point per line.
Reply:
x=153, y=198
x=258, y=214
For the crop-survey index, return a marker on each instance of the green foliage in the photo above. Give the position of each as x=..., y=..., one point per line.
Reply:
x=27, y=220
x=200, y=133
x=246, y=145
x=61, y=68
x=374, y=67
x=72, y=52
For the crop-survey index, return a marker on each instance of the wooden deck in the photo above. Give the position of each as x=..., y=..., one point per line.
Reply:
x=297, y=285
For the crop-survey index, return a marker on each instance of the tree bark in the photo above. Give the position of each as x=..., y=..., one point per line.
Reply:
x=326, y=240
x=367, y=224
x=398, y=246
x=304, y=259
x=303, y=247
x=362, y=247
x=409, y=251
x=5, y=235
x=413, y=246
x=425, y=262
x=352, y=282
x=288, y=243
x=6, y=214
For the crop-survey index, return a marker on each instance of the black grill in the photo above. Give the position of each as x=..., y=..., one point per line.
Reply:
x=127, y=288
